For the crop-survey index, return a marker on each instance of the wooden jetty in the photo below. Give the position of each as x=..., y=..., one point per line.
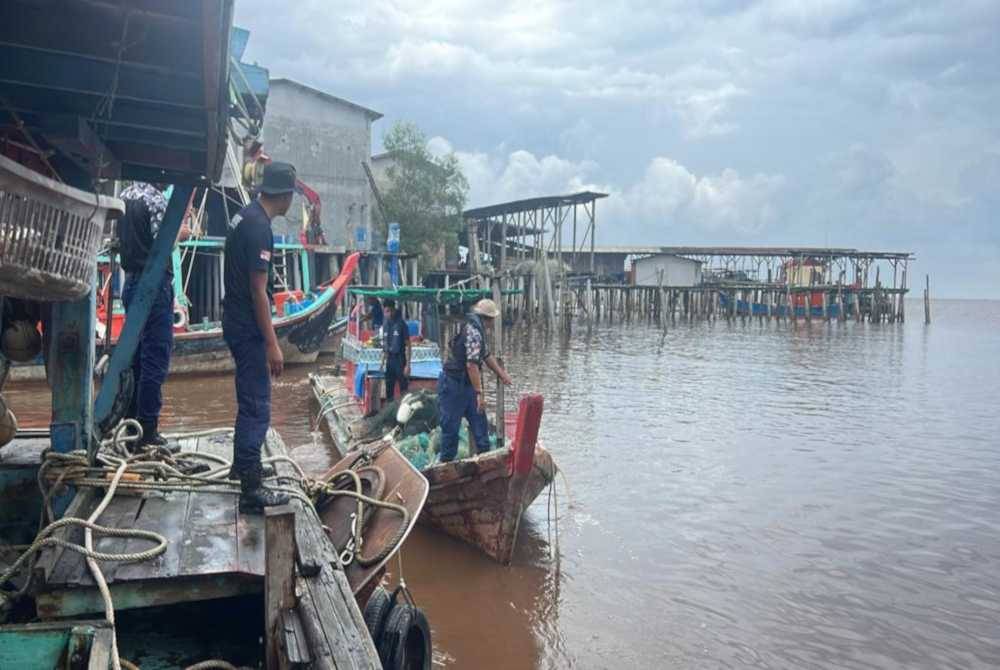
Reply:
x=544, y=249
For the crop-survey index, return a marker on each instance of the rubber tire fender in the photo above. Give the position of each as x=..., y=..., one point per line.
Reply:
x=406, y=640
x=377, y=611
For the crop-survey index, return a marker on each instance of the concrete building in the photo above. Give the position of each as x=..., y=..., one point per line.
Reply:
x=677, y=270
x=326, y=138
x=380, y=164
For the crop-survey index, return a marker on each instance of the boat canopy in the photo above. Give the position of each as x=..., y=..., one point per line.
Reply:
x=431, y=295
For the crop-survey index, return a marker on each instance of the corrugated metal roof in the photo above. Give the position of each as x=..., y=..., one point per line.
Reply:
x=140, y=87
x=531, y=204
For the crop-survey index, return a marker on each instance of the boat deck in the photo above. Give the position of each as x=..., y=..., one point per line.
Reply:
x=213, y=551
x=342, y=411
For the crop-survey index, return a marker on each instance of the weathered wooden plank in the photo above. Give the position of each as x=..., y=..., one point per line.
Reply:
x=144, y=593
x=165, y=514
x=100, y=650
x=50, y=558
x=72, y=566
x=122, y=512
x=330, y=616
x=279, y=581
x=294, y=641
x=250, y=543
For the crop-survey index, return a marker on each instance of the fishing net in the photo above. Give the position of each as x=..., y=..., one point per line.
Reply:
x=423, y=449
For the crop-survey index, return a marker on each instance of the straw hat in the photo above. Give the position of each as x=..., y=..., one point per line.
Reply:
x=487, y=308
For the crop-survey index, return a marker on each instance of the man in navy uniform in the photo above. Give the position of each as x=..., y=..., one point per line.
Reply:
x=395, y=351
x=247, y=329
x=145, y=206
x=460, y=384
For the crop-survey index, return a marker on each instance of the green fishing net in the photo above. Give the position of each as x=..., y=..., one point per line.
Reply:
x=422, y=449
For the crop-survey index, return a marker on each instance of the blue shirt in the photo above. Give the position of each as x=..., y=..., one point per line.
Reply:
x=249, y=246
x=394, y=336
x=377, y=317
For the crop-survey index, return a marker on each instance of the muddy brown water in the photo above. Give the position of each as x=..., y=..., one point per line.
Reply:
x=739, y=495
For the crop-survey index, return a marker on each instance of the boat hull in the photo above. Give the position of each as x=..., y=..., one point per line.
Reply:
x=479, y=500
x=300, y=337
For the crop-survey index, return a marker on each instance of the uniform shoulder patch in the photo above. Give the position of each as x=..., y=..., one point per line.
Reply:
x=265, y=255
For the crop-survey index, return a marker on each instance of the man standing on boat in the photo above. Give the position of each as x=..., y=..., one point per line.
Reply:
x=395, y=351
x=249, y=333
x=145, y=206
x=460, y=384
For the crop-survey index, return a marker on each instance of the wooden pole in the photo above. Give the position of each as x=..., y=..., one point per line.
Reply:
x=548, y=290
x=927, y=299
x=498, y=354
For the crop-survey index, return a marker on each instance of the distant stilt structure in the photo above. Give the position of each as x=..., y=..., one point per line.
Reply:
x=626, y=284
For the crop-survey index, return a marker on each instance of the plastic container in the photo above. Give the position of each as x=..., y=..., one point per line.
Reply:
x=296, y=307
x=392, y=238
x=285, y=299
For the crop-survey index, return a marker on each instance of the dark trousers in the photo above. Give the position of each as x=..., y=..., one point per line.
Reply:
x=152, y=356
x=253, y=399
x=394, y=366
x=457, y=400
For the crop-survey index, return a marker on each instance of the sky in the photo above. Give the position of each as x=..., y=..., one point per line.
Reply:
x=872, y=124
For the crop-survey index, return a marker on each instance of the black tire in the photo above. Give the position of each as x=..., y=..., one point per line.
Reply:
x=377, y=611
x=406, y=640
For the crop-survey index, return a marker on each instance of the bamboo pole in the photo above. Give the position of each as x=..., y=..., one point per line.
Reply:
x=498, y=354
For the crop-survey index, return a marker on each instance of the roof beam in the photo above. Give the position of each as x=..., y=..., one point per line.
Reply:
x=48, y=69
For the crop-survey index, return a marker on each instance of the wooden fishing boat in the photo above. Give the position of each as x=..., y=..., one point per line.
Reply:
x=333, y=343
x=202, y=349
x=218, y=562
x=302, y=328
x=480, y=499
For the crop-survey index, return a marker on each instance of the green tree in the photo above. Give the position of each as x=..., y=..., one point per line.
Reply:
x=425, y=195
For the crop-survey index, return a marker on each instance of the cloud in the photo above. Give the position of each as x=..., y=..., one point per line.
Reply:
x=671, y=194
x=668, y=196
x=848, y=122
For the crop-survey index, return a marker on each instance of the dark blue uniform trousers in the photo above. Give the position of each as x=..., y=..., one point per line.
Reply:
x=152, y=356
x=457, y=399
x=253, y=398
x=394, y=367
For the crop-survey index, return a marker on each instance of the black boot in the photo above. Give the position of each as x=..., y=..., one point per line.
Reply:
x=254, y=496
x=151, y=434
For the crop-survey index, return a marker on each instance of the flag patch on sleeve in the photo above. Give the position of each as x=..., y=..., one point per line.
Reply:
x=265, y=255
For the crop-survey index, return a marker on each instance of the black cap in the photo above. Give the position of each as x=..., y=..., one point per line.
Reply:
x=389, y=303
x=279, y=178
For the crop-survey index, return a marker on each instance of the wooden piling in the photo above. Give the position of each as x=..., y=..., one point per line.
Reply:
x=927, y=299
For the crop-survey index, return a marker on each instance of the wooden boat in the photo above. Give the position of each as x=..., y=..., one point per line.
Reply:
x=333, y=343
x=219, y=563
x=479, y=500
x=200, y=348
x=385, y=474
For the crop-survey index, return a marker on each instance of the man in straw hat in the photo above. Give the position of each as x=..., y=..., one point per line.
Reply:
x=460, y=385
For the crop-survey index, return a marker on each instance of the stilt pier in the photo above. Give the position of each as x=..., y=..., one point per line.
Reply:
x=544, y=247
